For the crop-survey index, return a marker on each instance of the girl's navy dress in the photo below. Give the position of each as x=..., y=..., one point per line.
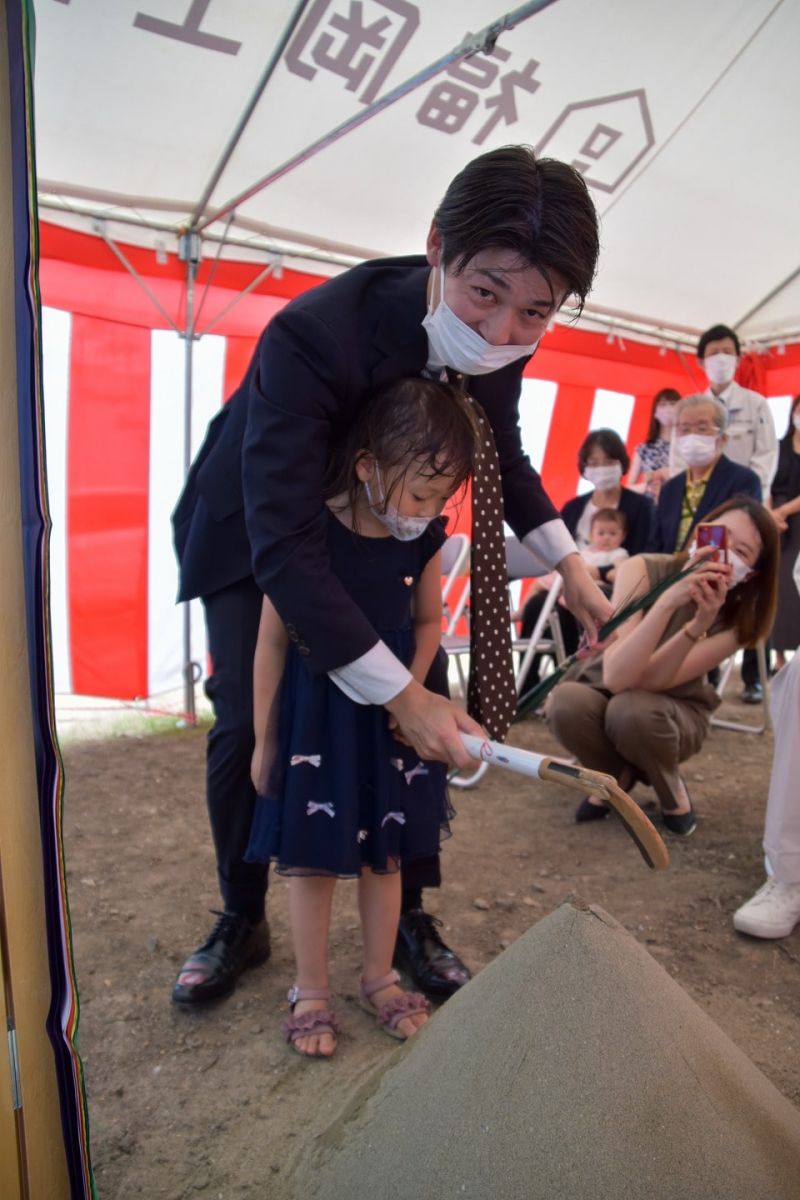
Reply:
x=344, y=792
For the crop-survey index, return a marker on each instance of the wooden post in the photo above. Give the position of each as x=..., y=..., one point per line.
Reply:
x=32, y=1156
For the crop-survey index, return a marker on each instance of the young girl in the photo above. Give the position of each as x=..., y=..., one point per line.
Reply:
x=339, y=795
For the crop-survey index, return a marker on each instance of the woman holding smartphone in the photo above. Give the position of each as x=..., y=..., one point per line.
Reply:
x=642, y=707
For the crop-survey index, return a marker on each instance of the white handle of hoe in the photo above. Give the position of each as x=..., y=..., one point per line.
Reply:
x=524, y=762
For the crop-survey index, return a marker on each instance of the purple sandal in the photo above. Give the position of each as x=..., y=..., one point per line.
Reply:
x=393, y=1011
x=319, y=1020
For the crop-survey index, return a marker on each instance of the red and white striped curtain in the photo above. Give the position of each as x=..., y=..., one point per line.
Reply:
x=114, y=409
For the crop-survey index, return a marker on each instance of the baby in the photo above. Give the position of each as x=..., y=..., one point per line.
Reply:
x=605, y=552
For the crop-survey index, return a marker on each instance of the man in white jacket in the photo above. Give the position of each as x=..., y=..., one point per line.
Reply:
x=752, y=441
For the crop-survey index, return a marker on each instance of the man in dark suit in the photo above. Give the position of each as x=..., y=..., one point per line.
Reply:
x=513, y=239
x=709, y=479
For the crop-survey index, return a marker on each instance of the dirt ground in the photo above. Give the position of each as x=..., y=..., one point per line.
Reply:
x=213, y=1104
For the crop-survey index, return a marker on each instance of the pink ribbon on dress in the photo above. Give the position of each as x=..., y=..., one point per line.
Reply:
x=312, y=807
x=419, y=769
x=394, y=816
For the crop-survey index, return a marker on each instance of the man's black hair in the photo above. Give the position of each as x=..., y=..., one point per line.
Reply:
x=715, y=334
x=539, y=208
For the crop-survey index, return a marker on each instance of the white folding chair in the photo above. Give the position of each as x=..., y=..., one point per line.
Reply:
x=455, y=566
x=455, y=563
x=520, y=564
x=763, y=676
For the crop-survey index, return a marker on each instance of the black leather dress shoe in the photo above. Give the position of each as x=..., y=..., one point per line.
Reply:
x=233, y=945
x=420, y=952
x=753, y=694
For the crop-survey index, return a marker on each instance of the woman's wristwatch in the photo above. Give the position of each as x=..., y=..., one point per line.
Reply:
x=693, y=637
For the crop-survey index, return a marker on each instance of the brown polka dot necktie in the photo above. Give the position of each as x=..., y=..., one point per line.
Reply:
x=491, y=691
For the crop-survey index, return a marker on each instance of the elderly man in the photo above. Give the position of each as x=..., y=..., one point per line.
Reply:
x=710, y=477
x=751, y=440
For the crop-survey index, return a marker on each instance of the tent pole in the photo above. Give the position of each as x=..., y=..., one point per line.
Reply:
x=776, y=291
x=241, y=125
x=189, y=251
x=482, y=41
x=263, y=274
x=129, y=267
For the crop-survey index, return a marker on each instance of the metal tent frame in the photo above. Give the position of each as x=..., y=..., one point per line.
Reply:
x=191, y=235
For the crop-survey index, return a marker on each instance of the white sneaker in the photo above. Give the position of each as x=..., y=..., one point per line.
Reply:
x=772, y=913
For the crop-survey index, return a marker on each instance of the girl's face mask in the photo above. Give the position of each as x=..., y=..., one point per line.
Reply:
x=405, y=529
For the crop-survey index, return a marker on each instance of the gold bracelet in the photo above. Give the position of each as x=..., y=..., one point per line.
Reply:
x=698, y=637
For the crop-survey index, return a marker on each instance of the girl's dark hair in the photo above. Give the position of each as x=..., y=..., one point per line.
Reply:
x=539, y=208
x=413, y=422
x=787, y=437
x=668, y=394
x=609, y=442
x=750, y=607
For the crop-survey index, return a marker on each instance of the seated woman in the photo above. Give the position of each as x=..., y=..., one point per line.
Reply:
x=602, y=461
x=642, y=707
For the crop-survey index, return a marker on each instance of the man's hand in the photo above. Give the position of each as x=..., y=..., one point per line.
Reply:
x=583, y=597
x=431, y=724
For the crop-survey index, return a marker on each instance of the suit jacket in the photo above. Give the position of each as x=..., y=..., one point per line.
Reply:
x=728, y=479
x=253, y=498
x=638, y=512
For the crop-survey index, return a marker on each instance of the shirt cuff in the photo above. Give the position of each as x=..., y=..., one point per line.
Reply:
x=550, y=543
x=375, y=678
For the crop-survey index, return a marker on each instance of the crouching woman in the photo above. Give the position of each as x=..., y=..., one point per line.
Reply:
x=643, y=706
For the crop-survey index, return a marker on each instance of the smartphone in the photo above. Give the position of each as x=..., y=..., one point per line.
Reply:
x=713, y=535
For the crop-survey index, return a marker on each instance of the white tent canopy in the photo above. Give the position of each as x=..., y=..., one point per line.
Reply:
x=681, y=116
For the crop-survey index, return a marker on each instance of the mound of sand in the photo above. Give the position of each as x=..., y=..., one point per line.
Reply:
x=572, y=1067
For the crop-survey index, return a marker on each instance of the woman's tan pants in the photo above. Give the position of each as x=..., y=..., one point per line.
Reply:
x=651, y=732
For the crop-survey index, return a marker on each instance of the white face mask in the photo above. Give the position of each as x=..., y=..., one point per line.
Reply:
x=720, y=368
x=603, y=477
x=740, y=572
x=665, y=414
x=451, y=343
x=697, y=449
x=405, y=529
